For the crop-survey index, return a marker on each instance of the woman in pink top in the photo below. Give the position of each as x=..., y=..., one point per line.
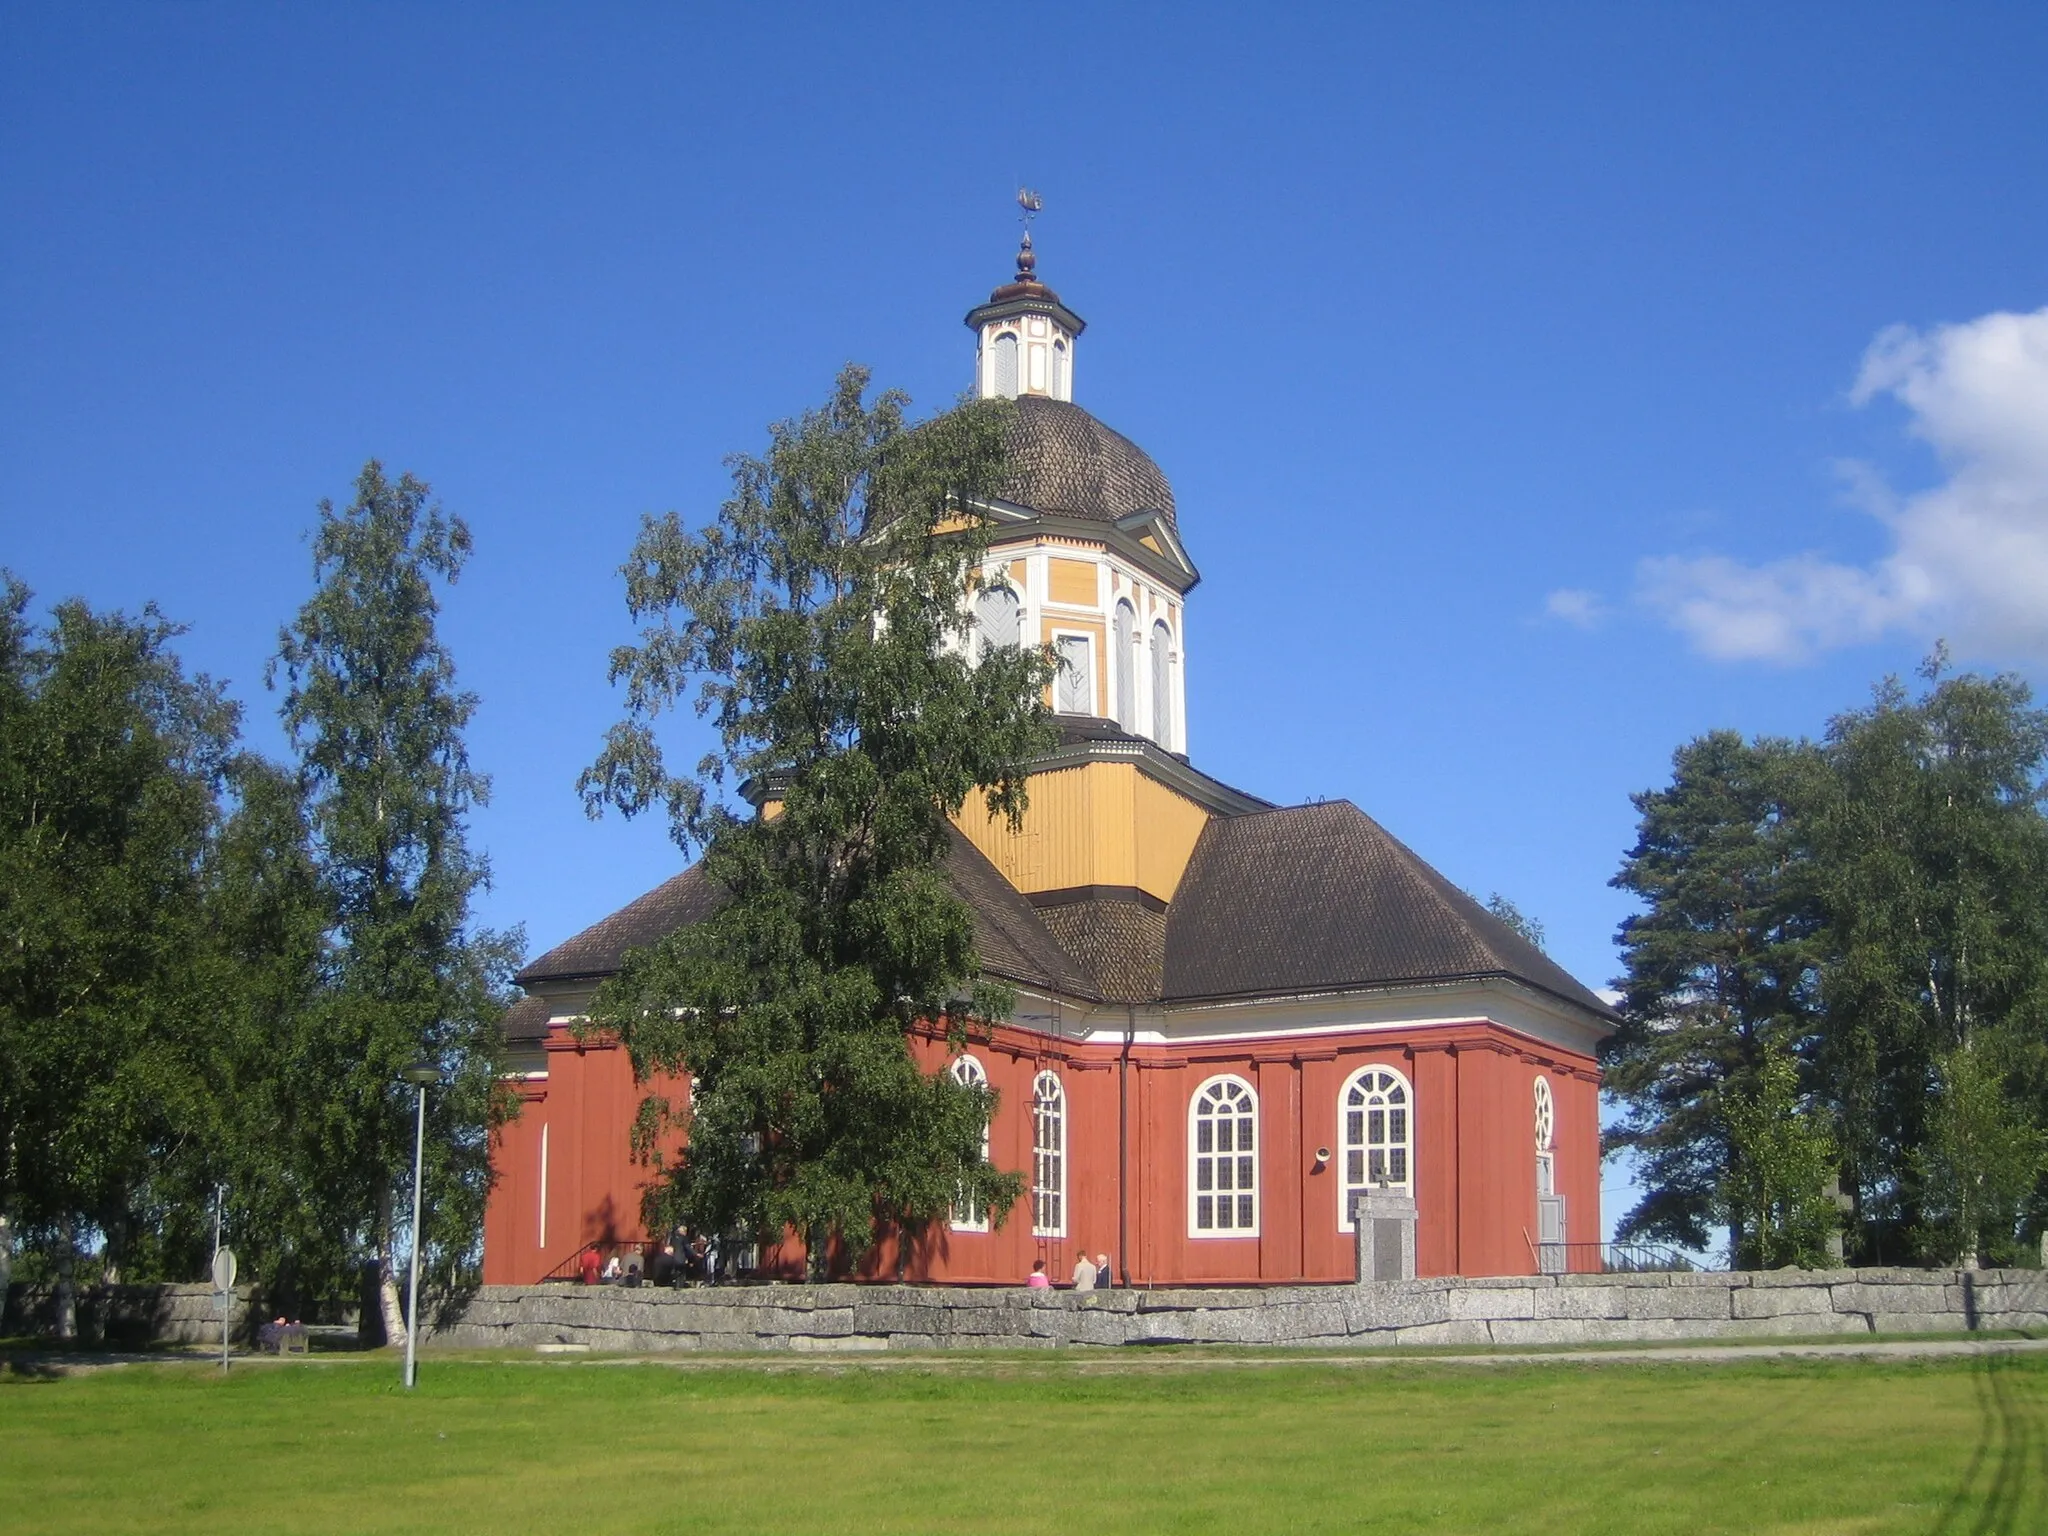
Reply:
x=1039, y=1280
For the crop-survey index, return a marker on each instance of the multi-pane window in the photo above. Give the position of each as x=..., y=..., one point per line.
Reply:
x=1223, y=1151
x=1048, y=1157
x=969, y=1214
x=1059, y=372
x=1376, y=1113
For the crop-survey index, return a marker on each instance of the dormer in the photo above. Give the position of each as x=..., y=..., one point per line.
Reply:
x=1025, y=337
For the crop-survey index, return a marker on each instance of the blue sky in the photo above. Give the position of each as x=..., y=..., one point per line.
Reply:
x=1528, y=378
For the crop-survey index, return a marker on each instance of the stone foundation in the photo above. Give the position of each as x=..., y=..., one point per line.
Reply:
x=1531, y=1309
x=130, y=1315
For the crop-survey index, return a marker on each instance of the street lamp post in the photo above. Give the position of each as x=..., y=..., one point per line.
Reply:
x=421, y=1074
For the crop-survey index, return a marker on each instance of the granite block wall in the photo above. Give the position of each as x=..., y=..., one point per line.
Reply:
x=1518, y=1310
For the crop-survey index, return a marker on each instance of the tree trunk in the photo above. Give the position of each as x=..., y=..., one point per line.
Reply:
x=387, y=1279
x=67, y=1283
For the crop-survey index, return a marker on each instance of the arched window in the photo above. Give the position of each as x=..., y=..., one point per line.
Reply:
x=1074, y=691
x=1375, y=1111
x=996, y=612
x=1124, y=632
x=1059, y=371
x=1048, y=1157
x=1162, y=685
x=1006, y=365
x=1223, y=1157
x=969, y=1214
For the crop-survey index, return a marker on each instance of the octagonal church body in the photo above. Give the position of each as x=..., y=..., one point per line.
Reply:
x=1232, y=1016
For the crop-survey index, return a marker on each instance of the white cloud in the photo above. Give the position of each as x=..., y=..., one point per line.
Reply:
x=1969, y=557
x=1575, y=606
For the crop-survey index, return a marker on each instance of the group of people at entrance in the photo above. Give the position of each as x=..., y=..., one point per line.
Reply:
x=1089, y=1274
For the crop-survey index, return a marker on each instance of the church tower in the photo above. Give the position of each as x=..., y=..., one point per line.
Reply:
x=1025, y=337
x=1087, y=557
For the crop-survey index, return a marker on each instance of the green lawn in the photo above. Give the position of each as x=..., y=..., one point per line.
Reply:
x=1015, y=1445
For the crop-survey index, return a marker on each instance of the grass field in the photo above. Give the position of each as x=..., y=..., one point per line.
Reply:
x=1010, y=1445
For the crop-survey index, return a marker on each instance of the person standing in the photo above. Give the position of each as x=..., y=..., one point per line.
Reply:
x=588, y=1262
x=1084, y=1273
x=1103, y=1278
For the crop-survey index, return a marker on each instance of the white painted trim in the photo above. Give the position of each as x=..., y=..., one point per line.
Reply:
x=968, y=1071
x=1258, y=1160
x=543, y=1184
x=1343, y=1149
x=1059, y=1228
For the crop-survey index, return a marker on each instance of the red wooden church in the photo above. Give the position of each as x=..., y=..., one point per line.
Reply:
x=1232, y=1016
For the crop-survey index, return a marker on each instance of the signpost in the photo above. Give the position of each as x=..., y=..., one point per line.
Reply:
x=224, y=1295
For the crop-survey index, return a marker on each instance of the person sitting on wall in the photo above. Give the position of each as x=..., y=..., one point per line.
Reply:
x=1040, y=1280
x=612, y=1270
x=1084, y=1273
x=631, y=1278
x=587, y=1263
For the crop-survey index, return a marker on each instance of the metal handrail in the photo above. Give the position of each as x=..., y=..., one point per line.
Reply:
x=1625, y=1258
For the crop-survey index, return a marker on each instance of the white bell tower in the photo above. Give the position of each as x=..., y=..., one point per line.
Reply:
x=1024, y=335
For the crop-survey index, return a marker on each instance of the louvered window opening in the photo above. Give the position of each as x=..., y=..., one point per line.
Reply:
x=1048, y=1157
x=1162, y=686
x=1074, y=693
x=1006, y=366
x=1377, y=1134
x=969, y=1214
x=996, y=617
x=1226, y=1162
x=1125, y=631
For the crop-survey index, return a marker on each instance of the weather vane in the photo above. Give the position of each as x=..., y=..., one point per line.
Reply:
x=1031, y=203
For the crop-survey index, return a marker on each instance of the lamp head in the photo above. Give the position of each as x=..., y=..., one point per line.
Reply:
x=422, y=1073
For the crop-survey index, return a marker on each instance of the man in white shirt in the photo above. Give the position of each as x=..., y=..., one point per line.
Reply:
x=1084, y=1273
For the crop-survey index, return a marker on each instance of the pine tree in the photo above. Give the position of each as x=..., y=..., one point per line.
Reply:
x=820, y=623
x=1720, y=966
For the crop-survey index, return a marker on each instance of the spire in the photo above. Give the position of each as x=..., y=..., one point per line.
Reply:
x=1025, y=335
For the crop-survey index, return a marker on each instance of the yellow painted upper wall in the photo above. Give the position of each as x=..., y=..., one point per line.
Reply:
x=1095, y=824
x=1071, y=581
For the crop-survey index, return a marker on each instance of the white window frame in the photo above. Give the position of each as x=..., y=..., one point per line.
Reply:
x=1048, y=1156
x=995, y=364
x=1211, y=1095
x=968, y=1072
x=1087, y=638
x=1165, y=706
x=1385, y=1080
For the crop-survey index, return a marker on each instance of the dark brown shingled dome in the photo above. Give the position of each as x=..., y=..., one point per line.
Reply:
x=1064, y=462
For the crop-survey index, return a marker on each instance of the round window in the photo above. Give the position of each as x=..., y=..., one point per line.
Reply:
x=1546, y=1115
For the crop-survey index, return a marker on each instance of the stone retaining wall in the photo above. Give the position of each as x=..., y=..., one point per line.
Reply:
x=127, y=1314
x=1536, y=1309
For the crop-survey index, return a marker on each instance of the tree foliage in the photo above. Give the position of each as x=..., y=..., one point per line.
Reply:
x=1782, y=1159
x=372, y=706
x=820, y=625
x=1875, y=906
x=111, y=765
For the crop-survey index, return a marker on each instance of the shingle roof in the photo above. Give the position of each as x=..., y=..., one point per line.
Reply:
x=526, y=1020
x=1119, y=942
x=1061, y=460
x=1321, y=898
x=599, y=949
x=1008, y=935
x=1274, y=903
